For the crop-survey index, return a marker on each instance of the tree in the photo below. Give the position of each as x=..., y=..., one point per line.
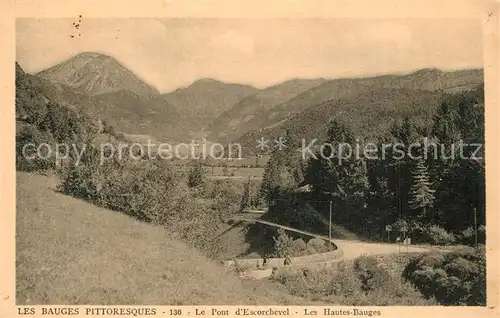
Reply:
x=339, y=175
x=421, y=194
x=444, y=123
x=245, y=199
x=460, y=181
x=283, y=171
x=225, y=170
x=195, y=176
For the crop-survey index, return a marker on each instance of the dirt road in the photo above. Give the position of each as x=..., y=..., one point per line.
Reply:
x=354, y=249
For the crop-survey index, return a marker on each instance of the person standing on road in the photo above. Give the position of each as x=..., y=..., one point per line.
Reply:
x=288, y=261
x=264, y=261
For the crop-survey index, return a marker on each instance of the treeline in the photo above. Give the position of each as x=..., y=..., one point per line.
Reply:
x=435, y=195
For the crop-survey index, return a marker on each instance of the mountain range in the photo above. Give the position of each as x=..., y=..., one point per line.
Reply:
x=224, y=112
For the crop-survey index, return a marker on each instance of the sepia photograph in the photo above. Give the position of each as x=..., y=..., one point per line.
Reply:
x=250, y=161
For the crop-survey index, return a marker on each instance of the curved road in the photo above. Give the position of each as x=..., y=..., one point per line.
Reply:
x=351, y=249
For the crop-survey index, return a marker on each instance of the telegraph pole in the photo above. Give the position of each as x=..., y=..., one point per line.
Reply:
x=330, y=216
x=330, y=225
x=475, y=225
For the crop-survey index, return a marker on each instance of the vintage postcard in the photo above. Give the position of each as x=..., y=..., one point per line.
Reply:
x=215, y=158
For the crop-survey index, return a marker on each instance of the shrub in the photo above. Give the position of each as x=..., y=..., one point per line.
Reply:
x=32, y=135
x=455, y=278
x=371, y=274
x=467, y=236
x=152, y=192
x=282, y=244
x=298, y=245
x=346, y=284
x=439, y=236
x=195, y=176
x=318, y=245
x=311, y=249
x=79, y=183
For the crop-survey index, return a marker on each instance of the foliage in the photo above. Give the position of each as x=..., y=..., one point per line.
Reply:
x=195, y=175
x=317, y=243
x=43, y=117
x=362, y=282
x=26, y=156
x=371, y=275
x=154, y=192
x=340, y=178
x=283, y=244
x=283, y=171
x=251, y=198
x=435, y=234
x=437, y=189
x=454, y=278
x=421, y=193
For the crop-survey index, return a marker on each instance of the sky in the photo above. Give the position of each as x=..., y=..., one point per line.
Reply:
x=172, y=53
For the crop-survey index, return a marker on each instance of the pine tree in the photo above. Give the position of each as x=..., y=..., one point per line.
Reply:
x=283, y=171
x=344, y=180
x=421, y=193
x=444, y=123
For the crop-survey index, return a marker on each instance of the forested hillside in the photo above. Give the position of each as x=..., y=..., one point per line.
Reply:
x=350, y=90
x=51, y=115
x=435, y=193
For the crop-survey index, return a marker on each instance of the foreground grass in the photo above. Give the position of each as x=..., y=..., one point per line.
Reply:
x=71, y=252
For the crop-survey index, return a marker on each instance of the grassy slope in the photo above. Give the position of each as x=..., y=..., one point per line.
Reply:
x=72, y=252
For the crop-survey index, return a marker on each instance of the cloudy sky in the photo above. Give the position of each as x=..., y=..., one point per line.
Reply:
x=170, y=53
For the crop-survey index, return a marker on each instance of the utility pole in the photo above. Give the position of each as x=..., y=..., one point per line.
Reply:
x=330, y=225
x=330, y=216
x=475, y=225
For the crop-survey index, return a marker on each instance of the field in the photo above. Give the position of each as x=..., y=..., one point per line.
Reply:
x=235, y=172
x=72, y=252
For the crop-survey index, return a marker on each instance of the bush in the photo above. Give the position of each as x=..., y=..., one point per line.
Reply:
x=282, y=244
x=318, y=245
x=371, y=274
x=439, y=236
x=467, y=236
x=32, y=135
x=455, y=278
x=362, y=282
x=299, y=246
x=224, y=195
x=80, y=183
x=153, y=191
x=195, y=176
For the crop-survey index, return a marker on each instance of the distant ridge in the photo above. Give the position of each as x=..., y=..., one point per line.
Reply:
x=232, y=125
x=207, y=98
x=238, y=118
